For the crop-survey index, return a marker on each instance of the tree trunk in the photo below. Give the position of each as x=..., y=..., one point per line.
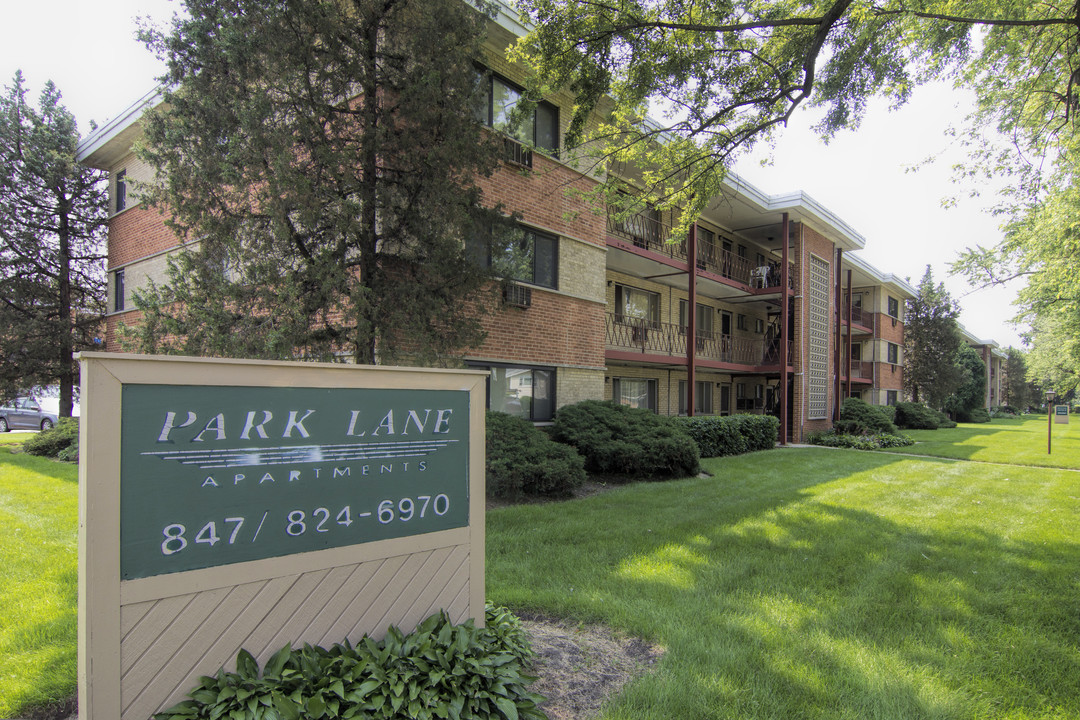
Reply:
x=66, y=375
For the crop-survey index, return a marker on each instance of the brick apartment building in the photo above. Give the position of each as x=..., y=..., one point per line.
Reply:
x=784, y=319
x=993, y=358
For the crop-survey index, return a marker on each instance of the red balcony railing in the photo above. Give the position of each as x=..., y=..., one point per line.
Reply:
x=862, y=370
x=650, y=233
x=658, y=338
x=859, y=316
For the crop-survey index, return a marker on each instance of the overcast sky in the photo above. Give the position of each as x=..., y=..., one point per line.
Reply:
x=88, y=49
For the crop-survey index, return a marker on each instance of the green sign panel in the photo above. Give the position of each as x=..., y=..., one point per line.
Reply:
x=1061, y=409
x=216, y=475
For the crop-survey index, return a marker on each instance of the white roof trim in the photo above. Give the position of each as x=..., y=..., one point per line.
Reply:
x=110, y=129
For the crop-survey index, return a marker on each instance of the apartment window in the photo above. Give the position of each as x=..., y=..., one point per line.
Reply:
x=118, y=291
x=703, y=319
x=636, y=306
x=495, y=108
x=856, y=351
x=634, y=392
x=740, y=391
x=741, y=323
x=890, y=397
x=894, y=308
x=520, y=390
x=525, y=255
x=121, y=190
x=705, y=247
x=894, y=353
x=703, y=398
x=759, y=326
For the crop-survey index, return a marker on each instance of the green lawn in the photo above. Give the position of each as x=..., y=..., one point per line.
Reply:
x=798, y=583
x=1019, y=441
x=817, y=583
x=38, y=579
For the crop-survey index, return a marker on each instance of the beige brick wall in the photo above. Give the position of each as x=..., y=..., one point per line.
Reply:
x=581, y=269
x=574, y=385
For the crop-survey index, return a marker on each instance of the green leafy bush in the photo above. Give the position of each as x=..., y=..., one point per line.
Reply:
x=973, y=415
x=889, y=411
x=626, y=441
x=440, y=670
x=61, y=441
x=522, y=459
x=731, y=435
x=859, y=442
x=916, y=416
x=859, y=418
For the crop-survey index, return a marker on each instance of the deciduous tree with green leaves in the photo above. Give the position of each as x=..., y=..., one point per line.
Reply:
x=970, y=393
x=53, y=214
x=723, y=76
x=321, y=159
x=931, y=343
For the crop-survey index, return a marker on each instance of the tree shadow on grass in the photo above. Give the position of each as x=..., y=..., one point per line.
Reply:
x=777, y=597
x=829, y=612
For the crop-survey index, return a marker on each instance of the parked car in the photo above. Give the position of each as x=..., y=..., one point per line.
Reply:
x=25, y=414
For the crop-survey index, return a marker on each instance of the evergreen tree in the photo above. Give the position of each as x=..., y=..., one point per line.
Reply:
x=931, y=343
x=323, y=157
x=53, y=214
x=1016, y=389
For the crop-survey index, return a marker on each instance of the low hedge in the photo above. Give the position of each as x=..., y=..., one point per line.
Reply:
x=859, y=442
x=624, y=441
x=439, y=670
x=731, y=434
x=859, y=418
x=916, y=416
x=976, y=415
x=60, y=442
x=523, y=460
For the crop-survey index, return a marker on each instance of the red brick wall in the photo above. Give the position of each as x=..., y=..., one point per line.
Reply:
x=555, y=330
x=810, y=241
x=541, y=197
x=138, y=233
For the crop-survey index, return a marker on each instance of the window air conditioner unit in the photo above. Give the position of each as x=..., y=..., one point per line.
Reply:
x=517, y=295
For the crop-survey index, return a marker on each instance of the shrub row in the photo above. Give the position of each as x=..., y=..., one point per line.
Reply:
x=522, y=459
x=626, y=441
x=976, y=415
x=732, y=434
x=858, y=442
x=439, y=670
x=859, y=418
x=916, y=416
x=60, y=442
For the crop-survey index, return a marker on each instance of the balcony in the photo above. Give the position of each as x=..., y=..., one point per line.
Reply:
x=669, y=340
x=861, y=370
x=860, y=317
x=649, y=233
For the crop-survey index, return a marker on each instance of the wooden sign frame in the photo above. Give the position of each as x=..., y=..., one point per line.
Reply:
x=144, y=641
